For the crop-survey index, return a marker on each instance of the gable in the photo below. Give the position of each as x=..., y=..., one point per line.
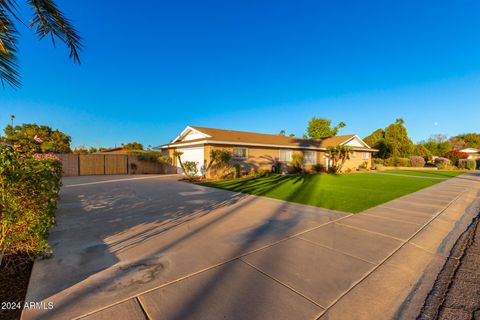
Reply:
x=189, y=134
x=355, y=142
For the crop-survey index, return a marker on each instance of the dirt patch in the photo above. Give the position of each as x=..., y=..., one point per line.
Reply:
x=14, y=276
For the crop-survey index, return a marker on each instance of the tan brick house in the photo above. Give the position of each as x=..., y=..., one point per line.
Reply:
x=262, y=151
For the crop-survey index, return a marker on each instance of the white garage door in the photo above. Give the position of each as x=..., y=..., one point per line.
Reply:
x=195, y=154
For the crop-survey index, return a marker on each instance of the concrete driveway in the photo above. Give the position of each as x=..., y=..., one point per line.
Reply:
x=152, y=247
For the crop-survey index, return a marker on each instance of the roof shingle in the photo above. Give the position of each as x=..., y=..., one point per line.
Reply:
x=222, y=135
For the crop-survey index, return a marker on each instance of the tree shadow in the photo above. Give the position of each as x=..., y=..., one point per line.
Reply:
x=121, y=213
x=274, y=225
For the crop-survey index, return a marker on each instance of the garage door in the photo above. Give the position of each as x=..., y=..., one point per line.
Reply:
x=195, y=154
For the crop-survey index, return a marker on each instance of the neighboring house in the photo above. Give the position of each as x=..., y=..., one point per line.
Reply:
x=261, y=151
x=119, y=150
x=472, y=153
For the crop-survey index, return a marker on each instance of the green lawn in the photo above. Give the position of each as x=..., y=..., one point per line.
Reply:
x=427, y=173
x=348, y=192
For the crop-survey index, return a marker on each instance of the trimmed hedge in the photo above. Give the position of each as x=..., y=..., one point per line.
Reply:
x=469, y=164
x=455, y=155
x=442, y=161
x=417, y=161
x=397, y=162
x=29, y=192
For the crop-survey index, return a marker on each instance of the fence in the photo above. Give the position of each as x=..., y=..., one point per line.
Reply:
x=104, y=164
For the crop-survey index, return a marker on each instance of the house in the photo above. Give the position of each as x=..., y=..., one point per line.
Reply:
x=472, y=153
x=261, y=151
x=120, y=150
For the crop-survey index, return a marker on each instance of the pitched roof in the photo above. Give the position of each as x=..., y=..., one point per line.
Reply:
x=233, y=136
x=470, y=150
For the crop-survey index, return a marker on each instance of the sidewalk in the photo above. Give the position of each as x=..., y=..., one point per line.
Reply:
x=289, y=261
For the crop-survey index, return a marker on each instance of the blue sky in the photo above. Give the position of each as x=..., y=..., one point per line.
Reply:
x=152, y=67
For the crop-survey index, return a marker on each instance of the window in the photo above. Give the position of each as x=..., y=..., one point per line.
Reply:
x=285, y=155
x=240, y=153
x=353, y=154
x=310, y=157
x=366, y=155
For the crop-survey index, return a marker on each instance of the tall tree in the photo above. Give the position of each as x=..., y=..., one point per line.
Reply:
x=422, y=151
x=397, y=140
x=437, y=144
x=282, y=133
x=47, y=21
x=376, y=140
x=30, y=137
x=374, y=137
x=466, y=140
x=133, y=146
x=320, y=128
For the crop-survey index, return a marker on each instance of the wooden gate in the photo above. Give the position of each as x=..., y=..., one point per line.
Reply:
x=99, y=164
x=91, y=164
x=115, y=164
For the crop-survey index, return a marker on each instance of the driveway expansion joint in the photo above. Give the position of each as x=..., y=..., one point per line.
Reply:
x=378, y=216
x=142, y=307
x=282, y=283
x=336, y=250
x=237, y=258
x=372, y=232
x=391, y=254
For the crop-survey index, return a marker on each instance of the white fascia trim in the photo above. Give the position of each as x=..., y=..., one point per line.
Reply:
x=185, y=131
x=365, y=149
x=262, y=145
x=355, y=136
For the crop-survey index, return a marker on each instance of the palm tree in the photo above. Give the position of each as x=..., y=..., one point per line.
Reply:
x=47, y=20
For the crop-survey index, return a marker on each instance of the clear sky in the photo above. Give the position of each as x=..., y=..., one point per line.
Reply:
x=152, y=67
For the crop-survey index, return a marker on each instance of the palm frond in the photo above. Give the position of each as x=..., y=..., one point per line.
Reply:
x=49, y=20
x=8, y=48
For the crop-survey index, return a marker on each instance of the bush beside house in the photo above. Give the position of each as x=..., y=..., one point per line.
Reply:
x=469, y=164
x=30, y=185
x=454, y=156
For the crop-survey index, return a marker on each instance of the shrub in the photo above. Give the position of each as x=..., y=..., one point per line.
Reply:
x=254, y=172
x=363, y=165
x=455, y=155
x=332, y=170
x=446, y=167
x=152, y=156
x=442, y=161
x=417, y=161
x=318, y=167
x=190, y=169
x=277, y=167
x=29, y=194
x=378, y=161
x=133, y=167
x=469, y=164
x=297, y=163
x=397, y=162
x=262, y=172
